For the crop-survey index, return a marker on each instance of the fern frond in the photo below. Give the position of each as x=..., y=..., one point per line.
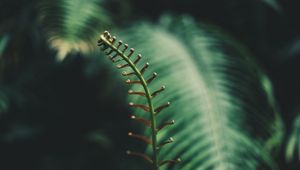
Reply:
x=117, y=52
x=72, y=25
x=293, y=145
x=223, y=113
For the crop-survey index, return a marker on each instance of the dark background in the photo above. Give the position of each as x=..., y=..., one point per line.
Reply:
x=73, y=115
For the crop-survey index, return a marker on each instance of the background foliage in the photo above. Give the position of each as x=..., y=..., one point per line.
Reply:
x=234, y=63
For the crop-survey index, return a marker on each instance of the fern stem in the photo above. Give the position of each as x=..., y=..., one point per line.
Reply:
x=148, y=96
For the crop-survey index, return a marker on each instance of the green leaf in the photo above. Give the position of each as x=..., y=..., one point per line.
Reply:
x=223, y=114
x=293, y=145
x=73, y=25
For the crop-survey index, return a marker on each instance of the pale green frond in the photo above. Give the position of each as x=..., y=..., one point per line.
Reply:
x=73, y=25
x=293, y=145
x=222, y=111
x=274, y=142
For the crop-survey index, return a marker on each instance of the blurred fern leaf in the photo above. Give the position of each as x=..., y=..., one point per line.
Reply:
x=73, y=25
x=223, y=114
x=293, y=145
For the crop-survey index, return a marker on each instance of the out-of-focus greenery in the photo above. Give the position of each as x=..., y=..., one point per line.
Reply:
x=231, y=70
x=293, y=145
x=73, y=25
x=215, y=104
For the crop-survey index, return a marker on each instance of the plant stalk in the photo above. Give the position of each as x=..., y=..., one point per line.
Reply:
x=149, y=100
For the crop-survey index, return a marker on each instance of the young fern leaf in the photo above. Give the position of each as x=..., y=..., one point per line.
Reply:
x=117, y=53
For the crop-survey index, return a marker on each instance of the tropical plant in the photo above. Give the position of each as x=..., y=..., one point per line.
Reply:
x=217, y=64
x=206, y=72
x=117, y=54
